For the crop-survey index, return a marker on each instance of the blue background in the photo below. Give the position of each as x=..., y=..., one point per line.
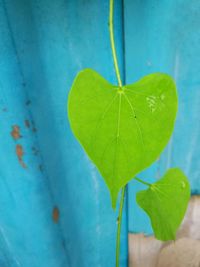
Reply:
x=43, y=44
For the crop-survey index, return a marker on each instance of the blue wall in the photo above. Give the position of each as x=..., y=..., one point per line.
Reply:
x=43, y=44
x=54, y=207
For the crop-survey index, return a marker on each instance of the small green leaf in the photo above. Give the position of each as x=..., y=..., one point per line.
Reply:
x=166, y=202
x=123, y=130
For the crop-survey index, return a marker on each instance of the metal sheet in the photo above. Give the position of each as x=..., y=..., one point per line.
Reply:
x=54, y=206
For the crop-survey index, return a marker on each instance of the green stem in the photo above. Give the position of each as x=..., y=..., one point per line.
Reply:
x=141, y=181
x=112, y=41
x=119, y=221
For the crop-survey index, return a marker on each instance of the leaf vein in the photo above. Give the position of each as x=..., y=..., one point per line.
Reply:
x=136, y=122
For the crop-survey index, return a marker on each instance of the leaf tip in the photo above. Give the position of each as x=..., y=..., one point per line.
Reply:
x=113, y=201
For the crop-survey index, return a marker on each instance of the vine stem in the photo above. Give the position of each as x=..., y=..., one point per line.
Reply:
x=112, y=42
x=141, y=181
x=123, y=191
x=119, y=225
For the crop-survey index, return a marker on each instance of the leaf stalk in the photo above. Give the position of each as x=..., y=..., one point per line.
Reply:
x=141, y=181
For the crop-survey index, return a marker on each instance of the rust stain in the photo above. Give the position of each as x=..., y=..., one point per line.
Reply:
x=4, y=109
x=27, y=123
x=15, y=133
x=55, y=214
x=20, y=154
x=34, y=129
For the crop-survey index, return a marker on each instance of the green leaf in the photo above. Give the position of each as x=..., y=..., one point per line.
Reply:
x=166, y=202
x=123, y=130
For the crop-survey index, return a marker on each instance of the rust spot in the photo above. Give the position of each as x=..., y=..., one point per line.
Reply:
x=27, y=123
x=55, y=214
x=15, y=133
x=20, y=154
x=4, y=109
x=34, y=129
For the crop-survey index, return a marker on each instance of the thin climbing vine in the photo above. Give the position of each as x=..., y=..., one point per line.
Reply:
x=123, y=129
x=112, y=41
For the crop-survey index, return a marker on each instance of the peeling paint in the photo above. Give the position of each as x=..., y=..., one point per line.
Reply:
x=15, y=133
x=20, y=154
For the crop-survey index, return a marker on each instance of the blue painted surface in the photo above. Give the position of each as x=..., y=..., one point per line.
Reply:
x=43, y=44
x=165, y=36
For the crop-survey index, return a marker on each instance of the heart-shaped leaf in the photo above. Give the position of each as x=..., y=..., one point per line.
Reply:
x=166, y=202
x=123, y=130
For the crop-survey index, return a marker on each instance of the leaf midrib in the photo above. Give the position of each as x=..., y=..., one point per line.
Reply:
x=117, y=137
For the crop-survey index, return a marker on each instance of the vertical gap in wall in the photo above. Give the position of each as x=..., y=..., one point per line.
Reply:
x=124, y=82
